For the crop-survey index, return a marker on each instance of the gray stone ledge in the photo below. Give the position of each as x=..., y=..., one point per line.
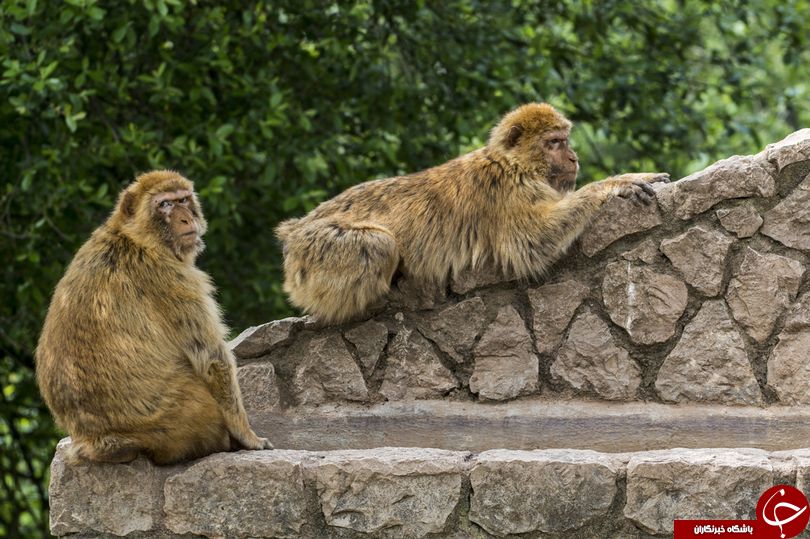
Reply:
x=414, y=492
x=537, y=423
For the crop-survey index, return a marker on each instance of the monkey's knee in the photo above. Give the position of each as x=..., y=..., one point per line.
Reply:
x=336, y=270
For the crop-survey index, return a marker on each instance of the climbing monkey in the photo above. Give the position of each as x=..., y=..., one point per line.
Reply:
x=132, y=358
x=511, y=203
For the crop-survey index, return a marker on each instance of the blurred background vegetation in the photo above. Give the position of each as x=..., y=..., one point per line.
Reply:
x=271, y=107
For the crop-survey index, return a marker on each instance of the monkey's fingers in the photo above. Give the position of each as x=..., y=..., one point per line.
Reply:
x=645, y=187
x=643, y=195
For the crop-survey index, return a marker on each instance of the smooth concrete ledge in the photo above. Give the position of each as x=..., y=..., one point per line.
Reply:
x=406, y=492
x=536, y=424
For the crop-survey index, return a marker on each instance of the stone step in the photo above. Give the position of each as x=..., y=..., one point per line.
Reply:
x=414, y=492
x=535, y=424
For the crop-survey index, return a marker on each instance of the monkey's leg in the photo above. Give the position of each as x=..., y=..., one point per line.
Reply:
x=220, y=377
x=336, y=269
x=191, y=428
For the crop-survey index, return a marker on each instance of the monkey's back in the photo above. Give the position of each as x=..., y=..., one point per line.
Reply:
x=428, y=211
x=103, y=360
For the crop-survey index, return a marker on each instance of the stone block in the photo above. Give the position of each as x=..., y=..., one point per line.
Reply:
x=550, y=491
x=239, y=495
x=735, y=177
x=709, y=363
x=397, y=491
x=505, y=364
x=694, y=484
x=590, y=360
x=553, y=306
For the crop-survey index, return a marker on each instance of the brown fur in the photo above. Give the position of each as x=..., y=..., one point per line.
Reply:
x=132, y=358
x=510, y=203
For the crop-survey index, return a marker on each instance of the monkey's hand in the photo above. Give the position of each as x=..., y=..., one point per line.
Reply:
x=636, y=186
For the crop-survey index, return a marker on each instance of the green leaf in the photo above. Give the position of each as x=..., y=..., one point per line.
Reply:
x=223, y=131
x=96, y=13
x=120, y=33
x=19, y=29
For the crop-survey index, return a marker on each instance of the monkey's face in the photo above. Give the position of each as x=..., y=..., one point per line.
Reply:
x=180, y=221
x=562, y=160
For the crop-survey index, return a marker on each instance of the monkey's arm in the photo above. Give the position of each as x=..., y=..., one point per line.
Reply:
x=218, y=368
x=532, y=242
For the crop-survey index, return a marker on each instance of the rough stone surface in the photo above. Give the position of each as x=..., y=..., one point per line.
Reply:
x=647, y=252
x=802, y=461
x=741, y=220
x=550, y=491
x=700, y=256
x=469, y=280
x=709, y=363
x=798, y=318
x=414, y=371
x=114, y=499
x=407, y=493
x=505, y=365
x=761, y=289
x=644, y=302
x=328, y=372
x=792, y=149
x=553, y=306
x=259, y=340
x=735, y=177
x=370, y=339
x=694, y=484
x=590, y=359
x=259, y=387
x=455, y=328
x=789, y=221
x=414, y=295
x=789, y=368
x=619, y=217
x=214, y=498
x=788, y=365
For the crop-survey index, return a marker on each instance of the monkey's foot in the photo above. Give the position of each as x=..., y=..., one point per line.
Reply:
x=255, y=443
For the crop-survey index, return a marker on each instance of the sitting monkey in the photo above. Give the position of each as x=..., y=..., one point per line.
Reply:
x=511, y=203
x=132, y=358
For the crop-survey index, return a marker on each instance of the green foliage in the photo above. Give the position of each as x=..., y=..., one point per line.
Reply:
x=273, y=107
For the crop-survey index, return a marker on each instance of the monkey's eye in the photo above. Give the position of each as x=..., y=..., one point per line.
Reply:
x=183, y=201
x=164, y=204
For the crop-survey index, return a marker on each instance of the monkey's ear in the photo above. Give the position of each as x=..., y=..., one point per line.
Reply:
x=127, y=204
x=513, y=135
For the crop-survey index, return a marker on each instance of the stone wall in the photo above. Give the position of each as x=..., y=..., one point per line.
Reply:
x=400, y=492
x=685, y=322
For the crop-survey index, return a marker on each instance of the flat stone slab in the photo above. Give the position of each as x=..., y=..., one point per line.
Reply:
x=537, y=423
